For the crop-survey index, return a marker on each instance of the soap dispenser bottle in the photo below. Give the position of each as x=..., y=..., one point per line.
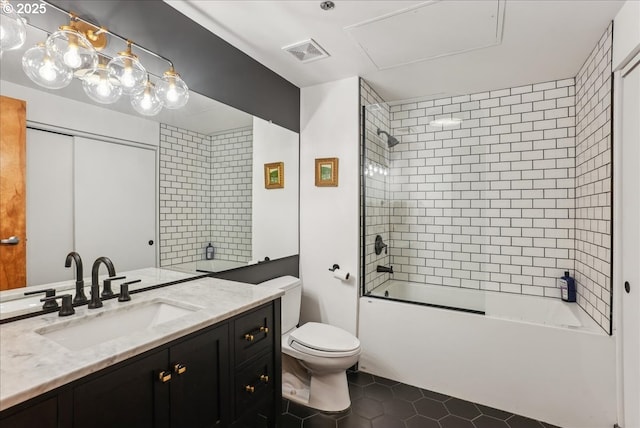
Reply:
x=209, y=252
x=567, y=287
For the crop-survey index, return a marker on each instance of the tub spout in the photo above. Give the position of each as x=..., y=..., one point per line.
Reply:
x=384, y=269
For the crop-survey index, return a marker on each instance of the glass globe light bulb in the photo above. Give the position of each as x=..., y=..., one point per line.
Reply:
x=101, y=86
x=146, y=102
x=44, y=70
x=71, y=57
x=72, y=48
x=127, y=69
x=172, y=90
x=127, y=79
x=47, y=71
x=13, y=31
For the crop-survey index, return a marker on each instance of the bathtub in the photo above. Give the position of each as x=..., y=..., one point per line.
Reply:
x=534, y=356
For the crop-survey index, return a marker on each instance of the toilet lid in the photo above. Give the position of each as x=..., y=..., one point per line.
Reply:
x=324, y=337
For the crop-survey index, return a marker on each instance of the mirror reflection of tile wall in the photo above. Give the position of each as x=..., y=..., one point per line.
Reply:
x=205, y=194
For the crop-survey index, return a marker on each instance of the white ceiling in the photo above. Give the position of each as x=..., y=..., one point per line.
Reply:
x=414, y=49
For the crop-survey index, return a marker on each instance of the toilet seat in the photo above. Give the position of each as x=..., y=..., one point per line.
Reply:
x=323, y=340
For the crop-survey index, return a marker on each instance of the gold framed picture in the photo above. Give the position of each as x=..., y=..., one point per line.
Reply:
x=274, y=175
x=327, y=172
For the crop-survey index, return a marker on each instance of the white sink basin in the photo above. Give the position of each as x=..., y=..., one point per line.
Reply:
x=108, y=325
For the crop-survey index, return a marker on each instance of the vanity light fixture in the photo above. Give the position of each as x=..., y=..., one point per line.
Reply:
x=45, y=70
x=73, y=49
x=13, y=31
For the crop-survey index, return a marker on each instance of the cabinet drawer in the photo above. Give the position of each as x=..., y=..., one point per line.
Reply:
x=253, y=383
x=253, y=333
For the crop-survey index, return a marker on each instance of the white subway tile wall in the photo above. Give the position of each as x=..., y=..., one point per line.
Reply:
x=507, y=200
x=231, y=205
x=488, y=203
x=593, y=182
x=185, y=195
x=193, y=212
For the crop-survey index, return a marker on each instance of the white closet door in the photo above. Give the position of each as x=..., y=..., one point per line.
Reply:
x=115, y=204
x=49, y=206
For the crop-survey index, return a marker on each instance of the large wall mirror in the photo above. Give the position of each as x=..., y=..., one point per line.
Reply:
x=103, y=180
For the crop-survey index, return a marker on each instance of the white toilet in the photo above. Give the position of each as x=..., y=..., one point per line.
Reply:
x=315, y=356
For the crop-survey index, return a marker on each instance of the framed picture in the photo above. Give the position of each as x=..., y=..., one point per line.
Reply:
x=327, y=172
x=274, y=175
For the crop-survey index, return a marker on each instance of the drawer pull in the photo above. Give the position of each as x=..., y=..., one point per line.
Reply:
x=179, y=369
x=249, y=337
x=164, y=376
x=264, y=378
x=250, y=389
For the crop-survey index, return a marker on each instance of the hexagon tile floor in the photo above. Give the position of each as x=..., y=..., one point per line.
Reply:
x=377, y=402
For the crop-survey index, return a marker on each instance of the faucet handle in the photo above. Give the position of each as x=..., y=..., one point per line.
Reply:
x=124, y=290
x=49, y=292
x=67, y=304
x=106, y=290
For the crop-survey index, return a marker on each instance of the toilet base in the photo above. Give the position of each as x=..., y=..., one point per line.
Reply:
x=328, y=392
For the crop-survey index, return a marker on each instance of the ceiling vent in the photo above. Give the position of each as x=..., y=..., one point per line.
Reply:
x=307, y=51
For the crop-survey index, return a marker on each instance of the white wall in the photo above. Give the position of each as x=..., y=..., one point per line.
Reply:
x=626, y=33
x=274, y=210
x=329, y=216
x=49, y=109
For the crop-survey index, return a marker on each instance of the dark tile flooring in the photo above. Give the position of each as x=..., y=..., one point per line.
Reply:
x=377, y=402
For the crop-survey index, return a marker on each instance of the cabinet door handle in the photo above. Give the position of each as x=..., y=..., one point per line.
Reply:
x=164, y=376
x=250, y=389
x=264, y=378
x=248, y=337
x=179, y=368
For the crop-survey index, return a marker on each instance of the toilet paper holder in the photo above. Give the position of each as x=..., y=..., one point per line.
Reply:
x=342, y=276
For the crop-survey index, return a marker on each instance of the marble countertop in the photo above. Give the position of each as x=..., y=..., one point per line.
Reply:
x=32, y=364
x=14, y=302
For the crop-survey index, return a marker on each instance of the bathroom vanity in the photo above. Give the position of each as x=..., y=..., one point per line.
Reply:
x=201, y=353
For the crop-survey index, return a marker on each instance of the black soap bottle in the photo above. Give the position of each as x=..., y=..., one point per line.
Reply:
x=567, y=287
x=209, y=251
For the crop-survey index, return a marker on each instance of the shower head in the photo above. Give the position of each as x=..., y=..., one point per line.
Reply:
x=391, y=140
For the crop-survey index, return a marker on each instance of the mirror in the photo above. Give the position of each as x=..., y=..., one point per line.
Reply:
x=200, y=168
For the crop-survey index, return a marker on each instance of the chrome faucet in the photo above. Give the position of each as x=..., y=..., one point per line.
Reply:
x=80, y=297
x=95, y=286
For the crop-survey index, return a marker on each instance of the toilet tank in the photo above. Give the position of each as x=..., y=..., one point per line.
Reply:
x=290, y=302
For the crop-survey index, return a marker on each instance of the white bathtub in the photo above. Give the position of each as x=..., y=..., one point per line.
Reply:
x=533, y=356
x=533, y=309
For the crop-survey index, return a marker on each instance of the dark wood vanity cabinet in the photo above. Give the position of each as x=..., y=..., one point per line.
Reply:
x=42, y=414
x=221, y=376
x=255, y=366
x=182, y=386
